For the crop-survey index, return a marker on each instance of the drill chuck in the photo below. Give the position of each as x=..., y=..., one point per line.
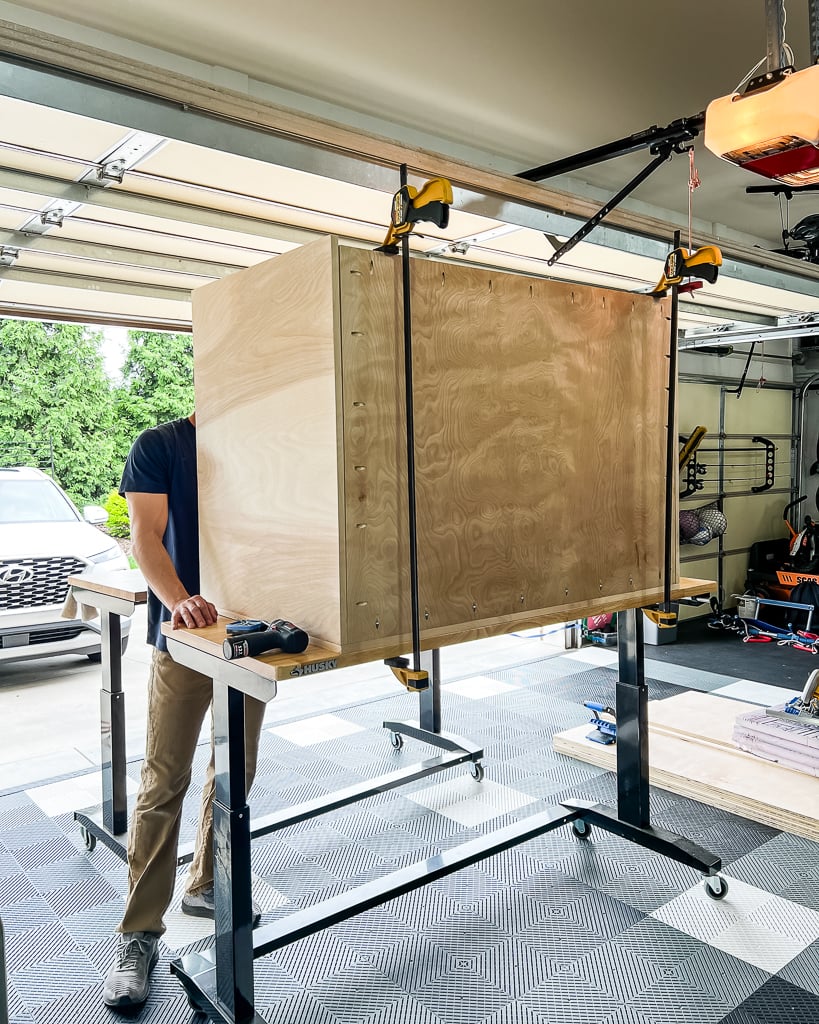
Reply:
x=281, y=635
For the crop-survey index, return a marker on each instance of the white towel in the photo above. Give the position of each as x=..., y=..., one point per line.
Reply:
x=87, y=611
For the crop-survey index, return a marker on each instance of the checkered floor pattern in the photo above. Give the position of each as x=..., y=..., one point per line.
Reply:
x=554, y=930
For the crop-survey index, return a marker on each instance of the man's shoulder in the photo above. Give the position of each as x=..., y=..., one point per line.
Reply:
x=164, y=434
x=157, y=455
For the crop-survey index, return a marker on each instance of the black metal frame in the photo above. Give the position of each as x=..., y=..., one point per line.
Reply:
x=110, y=826
x=223, y=985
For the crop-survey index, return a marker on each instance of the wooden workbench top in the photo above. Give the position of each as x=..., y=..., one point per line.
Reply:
x=320, y=658
x=126, y=584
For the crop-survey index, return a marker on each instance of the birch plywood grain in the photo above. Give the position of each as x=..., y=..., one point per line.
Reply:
x=540, y=439
x=540, y=447
x=266, y=396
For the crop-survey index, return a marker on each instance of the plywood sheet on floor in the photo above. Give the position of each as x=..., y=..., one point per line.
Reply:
x=691, y=753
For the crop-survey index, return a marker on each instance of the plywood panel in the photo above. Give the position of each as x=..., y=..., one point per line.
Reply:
x=691, y=752
x=265, y=379
x=540, y=444
x=540, y=447
x=376, y=520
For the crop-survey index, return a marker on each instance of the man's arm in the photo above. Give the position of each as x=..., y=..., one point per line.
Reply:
x=149, y=517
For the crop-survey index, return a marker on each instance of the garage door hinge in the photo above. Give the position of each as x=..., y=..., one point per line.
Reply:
x=114, y=170
x=8, y=255
x=54, y=216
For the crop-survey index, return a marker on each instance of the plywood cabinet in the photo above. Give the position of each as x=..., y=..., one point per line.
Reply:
x=540, y=447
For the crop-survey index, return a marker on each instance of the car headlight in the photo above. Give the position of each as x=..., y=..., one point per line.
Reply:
x=107, y=555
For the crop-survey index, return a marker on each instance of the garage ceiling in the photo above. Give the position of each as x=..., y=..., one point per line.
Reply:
x=503, y=86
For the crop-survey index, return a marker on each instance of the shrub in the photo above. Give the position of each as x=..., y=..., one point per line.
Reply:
x=118, y=524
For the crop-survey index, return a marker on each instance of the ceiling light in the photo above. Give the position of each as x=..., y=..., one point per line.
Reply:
x=772, y=130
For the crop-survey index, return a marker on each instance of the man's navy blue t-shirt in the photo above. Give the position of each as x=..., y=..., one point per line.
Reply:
x=163, y=461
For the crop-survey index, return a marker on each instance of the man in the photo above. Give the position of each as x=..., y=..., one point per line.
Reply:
x=160, y=485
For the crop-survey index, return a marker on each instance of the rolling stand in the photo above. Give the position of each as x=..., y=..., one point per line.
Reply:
x=220, y=981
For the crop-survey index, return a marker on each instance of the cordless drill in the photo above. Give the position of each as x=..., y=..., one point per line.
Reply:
x=279, y=634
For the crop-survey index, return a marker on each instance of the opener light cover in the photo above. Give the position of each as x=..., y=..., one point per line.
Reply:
x=773, y=131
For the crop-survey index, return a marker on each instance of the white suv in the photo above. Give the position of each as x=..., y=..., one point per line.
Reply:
x=43, y=541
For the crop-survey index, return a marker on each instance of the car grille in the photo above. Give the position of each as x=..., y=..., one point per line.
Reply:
x=44, y=636
x=48, y=585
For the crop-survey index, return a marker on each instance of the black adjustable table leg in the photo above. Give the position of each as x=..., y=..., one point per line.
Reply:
x=226, y=987
x=632, y=819
x=428, y=727
x=112, y=727
x=632, y=722
x=111, y=827
x=430, y=699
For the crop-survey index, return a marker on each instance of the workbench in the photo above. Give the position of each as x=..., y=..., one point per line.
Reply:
x=115, y=594
x=220, y=981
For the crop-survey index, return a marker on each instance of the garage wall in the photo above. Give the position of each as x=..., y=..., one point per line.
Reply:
x=751, y=517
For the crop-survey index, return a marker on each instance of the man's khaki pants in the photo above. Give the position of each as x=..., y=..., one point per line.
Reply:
x=178, y=700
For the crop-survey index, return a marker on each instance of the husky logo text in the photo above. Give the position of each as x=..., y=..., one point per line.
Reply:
x=316, y=666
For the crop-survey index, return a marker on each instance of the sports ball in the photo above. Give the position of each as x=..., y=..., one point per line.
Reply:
x=711, y=517
x=689, y=524
x=702, y=536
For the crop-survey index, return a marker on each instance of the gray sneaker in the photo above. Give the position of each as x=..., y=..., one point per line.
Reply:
x=128, y=981
x=201, y=904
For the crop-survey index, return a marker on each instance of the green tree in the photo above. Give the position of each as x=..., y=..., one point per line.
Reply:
x=57, y=405
x=157, y=384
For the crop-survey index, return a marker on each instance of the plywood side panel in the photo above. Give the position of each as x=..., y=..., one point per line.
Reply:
x=376, y=519
x=540, y=446
x=267, y=430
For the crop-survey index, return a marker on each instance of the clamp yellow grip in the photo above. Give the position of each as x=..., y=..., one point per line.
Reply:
x=414, y=681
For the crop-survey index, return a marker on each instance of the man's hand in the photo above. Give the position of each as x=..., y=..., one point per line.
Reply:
x=193, y=612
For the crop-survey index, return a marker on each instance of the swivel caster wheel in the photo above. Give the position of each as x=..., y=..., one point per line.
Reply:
x=88, y=838
x=581, y=829
x=397, y=740
x=476, y=771
x=715, y=886
x=199, y=1010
